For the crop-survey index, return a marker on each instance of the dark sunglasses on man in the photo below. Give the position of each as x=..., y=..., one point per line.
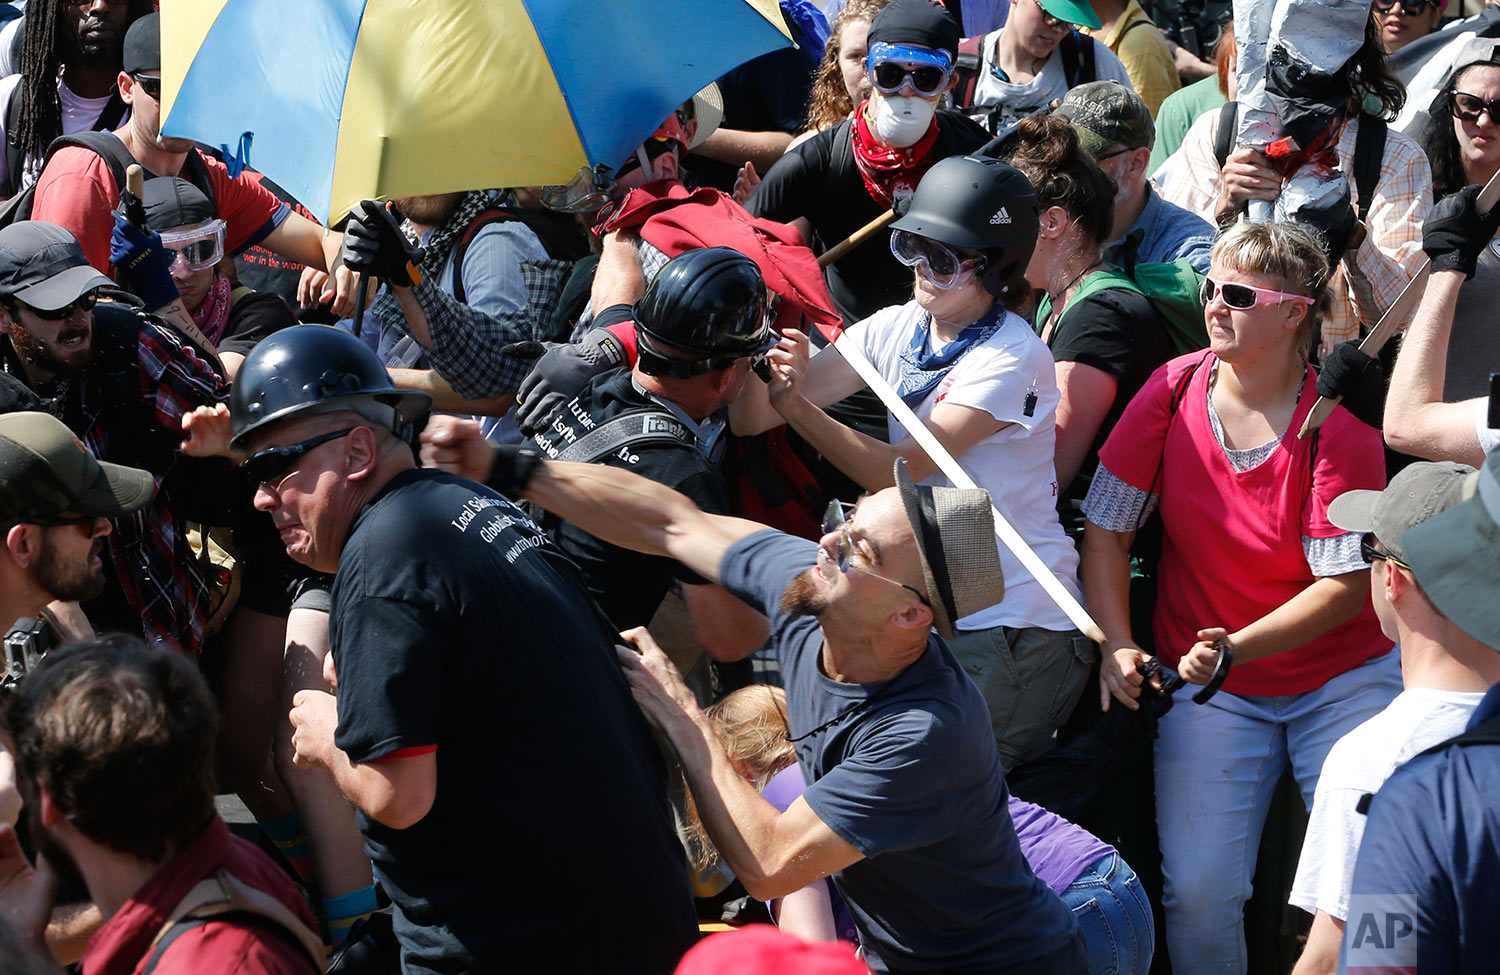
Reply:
x=271, y=464
x=1466, y=107
x=152, y=86
x=81, y=303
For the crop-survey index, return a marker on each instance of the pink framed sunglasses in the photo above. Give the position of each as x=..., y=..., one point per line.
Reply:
x=1244, y=296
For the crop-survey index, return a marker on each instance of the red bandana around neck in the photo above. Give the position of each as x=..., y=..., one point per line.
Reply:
x=213, y=314
x=890, y=173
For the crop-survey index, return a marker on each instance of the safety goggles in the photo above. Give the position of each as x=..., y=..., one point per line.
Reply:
x=1244, y=296
x=940, y=265
x=890, y=65
x=1370, y=553
x=1466, y=107
x=586, y=192
x=1411, y=8
x=271, y=464
x=834, y=521
x=197, y=247
x=84, y=302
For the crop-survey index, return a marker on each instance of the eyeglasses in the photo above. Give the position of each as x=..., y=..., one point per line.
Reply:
x=926, y=79
x=197, y=247
x=1370, y=553
x=1411, y=8
x=271, y=464
x=1113, y=153
x=941, y=265
x=152, y=86
x=84, y=302
x=1244, y=296
x=834, y=521
x=1047, y=19
x=1466, y=107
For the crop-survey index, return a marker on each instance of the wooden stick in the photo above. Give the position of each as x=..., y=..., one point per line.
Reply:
x=1396, y=316
x=945, y=462
x=855, y=239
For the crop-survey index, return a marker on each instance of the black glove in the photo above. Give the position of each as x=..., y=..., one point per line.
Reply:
x=1455, y=233
x=561, y=374
x=513, y=467
x=1357, y=379
x=374, y=244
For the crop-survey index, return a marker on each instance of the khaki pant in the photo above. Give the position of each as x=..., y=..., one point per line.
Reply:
x=1030, y=678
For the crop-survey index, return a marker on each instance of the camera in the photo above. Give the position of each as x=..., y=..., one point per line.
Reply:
x=27, y=641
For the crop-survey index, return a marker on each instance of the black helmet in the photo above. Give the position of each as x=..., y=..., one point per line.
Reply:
x=981, y=204
x=708, y=306
x=314, y=369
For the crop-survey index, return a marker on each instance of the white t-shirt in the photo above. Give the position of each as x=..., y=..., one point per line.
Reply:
x=1035, y=97
x=1359, y=763
x=78, y=115
x=1014, y=464
x=1489, y=437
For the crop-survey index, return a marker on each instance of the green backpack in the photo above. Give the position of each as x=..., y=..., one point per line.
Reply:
x=1174, y=289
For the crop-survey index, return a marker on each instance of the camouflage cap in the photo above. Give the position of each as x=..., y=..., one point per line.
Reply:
x=1107, y=113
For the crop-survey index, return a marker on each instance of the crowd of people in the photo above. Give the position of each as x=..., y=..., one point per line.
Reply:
x=627, y=569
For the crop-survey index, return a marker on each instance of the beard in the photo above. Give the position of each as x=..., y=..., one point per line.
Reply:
x=44, y=355
x=430, y=211
x=71, y=885
x=98, y=39
x=802, y=598
x=69, y=583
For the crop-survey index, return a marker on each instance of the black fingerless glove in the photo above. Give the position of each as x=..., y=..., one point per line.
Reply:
x=1455, y=232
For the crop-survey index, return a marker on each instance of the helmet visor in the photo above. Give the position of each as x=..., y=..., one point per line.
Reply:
x=197, y=247
x=943, y=267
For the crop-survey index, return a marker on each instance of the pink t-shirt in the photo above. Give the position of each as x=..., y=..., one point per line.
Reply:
x=77, y=191
x=1232, y=547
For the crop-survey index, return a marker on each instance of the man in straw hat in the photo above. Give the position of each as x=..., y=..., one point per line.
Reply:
x=906, y=802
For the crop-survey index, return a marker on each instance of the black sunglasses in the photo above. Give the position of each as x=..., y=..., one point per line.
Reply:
x=81, y=303
x=151, y=85
x=927, y=79
x=1466, y=107
x=60, y=521
x=1411, y=8
x=1370, y=553
x=271, y=464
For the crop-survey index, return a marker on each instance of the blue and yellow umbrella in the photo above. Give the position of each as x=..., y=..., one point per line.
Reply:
x=348, y=100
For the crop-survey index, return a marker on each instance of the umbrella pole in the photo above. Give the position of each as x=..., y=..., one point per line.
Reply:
x=359, y=301
x=960, y=477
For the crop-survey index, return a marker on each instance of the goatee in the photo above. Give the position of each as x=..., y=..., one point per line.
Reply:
x=801, y=596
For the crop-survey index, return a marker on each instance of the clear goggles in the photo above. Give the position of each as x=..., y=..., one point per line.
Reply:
x=197, y=247
x=943, y=267
x=586, y=192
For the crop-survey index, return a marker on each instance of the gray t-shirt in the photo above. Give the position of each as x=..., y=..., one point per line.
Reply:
x=906, y=771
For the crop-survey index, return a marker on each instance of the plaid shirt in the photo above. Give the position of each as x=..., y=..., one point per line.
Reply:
x=157, y=572
x=1385, y=260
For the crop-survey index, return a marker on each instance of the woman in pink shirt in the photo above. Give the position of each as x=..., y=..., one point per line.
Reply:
x=1249, y=559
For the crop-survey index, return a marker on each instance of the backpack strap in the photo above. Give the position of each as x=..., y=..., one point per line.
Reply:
x=969, y=64
x=461, y=247
x=1140, y=22
x=1369, y=149
x=1229, y=117
x=1087, y=70
x=1101, y=280
x=647, y=427
x=1486, y=732
x=1069, y=50
x=15, y=156
x=226, y=897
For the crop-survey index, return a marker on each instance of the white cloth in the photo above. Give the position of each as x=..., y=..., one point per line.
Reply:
x=1359, y=763
x=78, y=115
x=1489, y=437
x=9, y=65
x=1035, y=97
x=1014, y=464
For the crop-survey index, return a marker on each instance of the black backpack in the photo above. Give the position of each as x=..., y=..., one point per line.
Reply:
x=109, y=148
x=1369, y=148
x=15, y=159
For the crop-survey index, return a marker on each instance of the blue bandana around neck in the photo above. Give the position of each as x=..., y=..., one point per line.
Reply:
x=919, y=369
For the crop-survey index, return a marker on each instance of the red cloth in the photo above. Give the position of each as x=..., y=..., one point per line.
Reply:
x=890, y=173
x=675, y=219
x=77, y=191
x=121, y=946
x=1232, y=550
x=759, y=949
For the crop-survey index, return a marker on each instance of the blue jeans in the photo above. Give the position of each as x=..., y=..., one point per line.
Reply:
x=1114, y=917
x=1216, y=767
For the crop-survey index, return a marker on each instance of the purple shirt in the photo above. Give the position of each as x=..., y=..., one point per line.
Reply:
x=1057, y=850
x=783, y=789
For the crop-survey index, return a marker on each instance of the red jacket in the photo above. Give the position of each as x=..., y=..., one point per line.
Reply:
x=121, y=946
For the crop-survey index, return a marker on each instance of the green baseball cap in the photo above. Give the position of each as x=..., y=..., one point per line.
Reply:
x=1107, y=113
x=46, y=471
x=1075, y=12
x=1455, y=555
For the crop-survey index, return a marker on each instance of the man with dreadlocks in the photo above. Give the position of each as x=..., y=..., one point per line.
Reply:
x=70, y=57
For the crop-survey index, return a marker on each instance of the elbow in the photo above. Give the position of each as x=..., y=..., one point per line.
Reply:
x=401, y=811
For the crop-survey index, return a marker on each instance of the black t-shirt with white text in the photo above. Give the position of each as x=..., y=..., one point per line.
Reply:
x=456, y=625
